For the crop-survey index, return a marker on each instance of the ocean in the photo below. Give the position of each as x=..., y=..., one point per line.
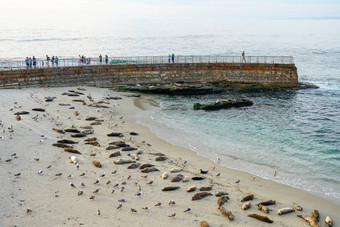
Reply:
x=295, y=133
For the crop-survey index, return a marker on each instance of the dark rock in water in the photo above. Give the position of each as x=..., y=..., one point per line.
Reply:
x=22, y=113
x=115, y=134
x=38, y=109
x=305, y=85
x=223, y=104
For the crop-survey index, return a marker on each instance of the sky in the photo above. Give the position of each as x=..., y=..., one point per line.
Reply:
x=90, y=11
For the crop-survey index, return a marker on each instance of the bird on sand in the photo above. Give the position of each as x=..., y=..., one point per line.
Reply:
x=188, y=209
x=203, y=171
x=158, y=204
x=172, y=215
x=172, y=202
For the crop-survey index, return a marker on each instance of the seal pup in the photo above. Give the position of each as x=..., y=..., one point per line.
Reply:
x=204, y=224
x=297, y=207
x=191, y=188
x=315, y=214
x=246, y=205
x=310, y=220
x=329, y=221
x=170, y=188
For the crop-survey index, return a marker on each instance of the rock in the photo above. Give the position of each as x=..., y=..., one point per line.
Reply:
x=223, y=104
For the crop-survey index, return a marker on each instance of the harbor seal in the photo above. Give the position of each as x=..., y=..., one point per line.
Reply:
x=247, y=197
x=200, y=195
x=226, y=213
x=285, y=210
x=261, y=218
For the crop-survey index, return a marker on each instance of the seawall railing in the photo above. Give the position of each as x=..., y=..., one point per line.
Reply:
x=68, y=62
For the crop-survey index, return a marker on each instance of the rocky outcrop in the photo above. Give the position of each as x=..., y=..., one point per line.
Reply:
x=223, y=104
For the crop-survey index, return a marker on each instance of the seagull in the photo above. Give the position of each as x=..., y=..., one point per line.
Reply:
x=72, y=185
x=116, y=185
x=92, y=197
x=96, y=191
x=14, y=154
x=121, y=190
x=114, y=172
x=103, y=175
x=98, y=212
x=40, y=172
x=129, y=177
x=146, y=208
x=120, y=206
x=238, y=181
x=108, y=182
x=70, y=176
x=82, y=184
x=58, y=174
x=172, y=215
x=203, y=171
x=139, y=194
x=188, y=209
x=217, y=175
x=113, y=191
x=158, y=204
x=172, y=202
x=133, y=210
x=97, y=181
x=77, y=165
x=122, y=200
x=80, y=192
x=83, y=174
x=150, y=182
x=28, y=210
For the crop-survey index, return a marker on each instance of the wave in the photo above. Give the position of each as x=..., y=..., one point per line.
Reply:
x=49, y=40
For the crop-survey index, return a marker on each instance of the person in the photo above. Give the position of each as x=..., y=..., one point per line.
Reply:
x=106, y=59
x=30, y=62
x=173, y=58
x=52, y=60
x=56, y=61
x=169, y=59
x=47, y=61
x=243, y=57
x=34, y=62
x=27, y=62
x=100, y=59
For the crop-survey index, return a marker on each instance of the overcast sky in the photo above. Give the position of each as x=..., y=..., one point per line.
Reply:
x=84, y=11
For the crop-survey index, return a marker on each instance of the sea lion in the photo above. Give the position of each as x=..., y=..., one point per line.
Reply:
x=315, y=214
x=246, y=205
x=222, y=200
x=78, y=135
x=200, y=195
x=175, y=170
x=123, y=161
x=115, y=134
x=134, y=166
x=226, y=213
x=285, y=210
x=164, y=175
x=186, y=179
x=206, y=188
x=268, y=202
x=310, y=220
x=59, y=130
x=146, y=165
x=38, y=109
x=129, y=149
x=263, y=208
x=67, y=141
x=247, y=197
x=204, y=224
x=73, y=130
x=191, y=188
x=177, y=178
x=93, y=143
x=161, y=158
x=71, y=150
x=297, y=207
x=149, y=169
x=97, y=164
x=261, y=218
x=329, y=221
x=170, y=188
x=115, y=154
x=219, y=194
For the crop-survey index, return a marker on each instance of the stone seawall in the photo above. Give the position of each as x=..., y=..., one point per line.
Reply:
x=197, y=74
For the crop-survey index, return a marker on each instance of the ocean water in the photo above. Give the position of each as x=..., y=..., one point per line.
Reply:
x=296, y=133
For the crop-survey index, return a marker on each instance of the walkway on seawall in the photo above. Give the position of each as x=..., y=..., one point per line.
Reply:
x=253, y=71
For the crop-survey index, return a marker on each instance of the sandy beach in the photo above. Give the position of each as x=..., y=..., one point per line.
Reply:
x=36, y=175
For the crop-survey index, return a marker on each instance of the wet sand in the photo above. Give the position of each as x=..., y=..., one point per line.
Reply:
x=55, y=203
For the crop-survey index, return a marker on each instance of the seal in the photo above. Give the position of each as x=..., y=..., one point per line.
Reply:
x=17, y=117
x=146, y=165
x=112, y=147
x=115, y=134
x=247, y=198
x=268, y=202
x=285, y=210
x=186, y=179
x=129, y=149
x=170, y=188
x=261, y=218
x=246, y=205
x=197, y=178
x=191, y=188
x=123, y=161
x=97, y=164
x=297, y=207
x=164, y=175
x=177, y=178
x=134, y=166
x=204, y=224
x=149, y=169
x=222, y=200
x=93, y=143
x=329, y=221
x=67, y=141
x=59, y=130
x=263, y=208
x=115, y=154
x=73, y=130
x=161, y=158
x=175, y=170
x=226, y=213
x=315, y=214
x=71, y=150
x=219, y=194
x=310, y=220
x=206, y=188
x=200, y=195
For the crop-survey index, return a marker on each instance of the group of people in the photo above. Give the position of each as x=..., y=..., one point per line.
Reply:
x=53, y=60
x=31, y=62
x=172, y=58
x=101, y=59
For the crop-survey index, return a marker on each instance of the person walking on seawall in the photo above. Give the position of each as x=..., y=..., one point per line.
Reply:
x=56, y=61
x=30, y=62
x=173, y=58
x=169, y=59
x=34, y=62
x=27, y=62
x=106, y=59
x=243, y=57
x=100, y=59
x=52, y=61
x=47, y=61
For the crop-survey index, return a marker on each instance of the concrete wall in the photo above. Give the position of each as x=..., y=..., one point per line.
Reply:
x=225, y=74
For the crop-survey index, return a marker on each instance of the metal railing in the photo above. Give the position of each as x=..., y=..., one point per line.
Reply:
x=67, y=62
